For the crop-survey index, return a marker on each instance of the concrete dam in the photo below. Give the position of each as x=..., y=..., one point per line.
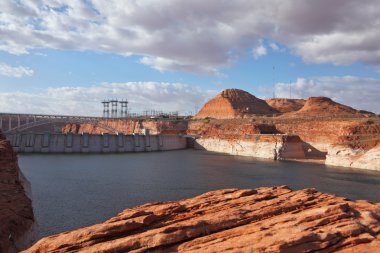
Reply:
x=93, y=143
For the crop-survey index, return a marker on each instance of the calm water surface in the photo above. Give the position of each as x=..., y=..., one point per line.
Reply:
x=71, y=191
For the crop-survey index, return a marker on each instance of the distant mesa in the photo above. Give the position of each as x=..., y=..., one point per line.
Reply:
x=234, y=103
x=284, y=105
x=322, y=106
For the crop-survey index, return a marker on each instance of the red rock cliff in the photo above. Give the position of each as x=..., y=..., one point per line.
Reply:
x=129, y=126
x=16, y=213
x=274, y=219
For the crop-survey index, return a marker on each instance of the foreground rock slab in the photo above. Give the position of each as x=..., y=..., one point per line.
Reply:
x=273, y=219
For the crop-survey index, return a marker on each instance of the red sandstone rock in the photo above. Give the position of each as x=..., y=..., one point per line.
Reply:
x=285, y=104
x=322, y=106
x=16, y=213
x=274, y=219
x=234, y=103
x=128, y=126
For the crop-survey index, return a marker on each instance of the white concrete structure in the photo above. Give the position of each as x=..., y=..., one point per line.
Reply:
x=93, y=143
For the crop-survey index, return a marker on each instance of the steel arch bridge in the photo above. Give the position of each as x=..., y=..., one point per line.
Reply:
x=15, y=122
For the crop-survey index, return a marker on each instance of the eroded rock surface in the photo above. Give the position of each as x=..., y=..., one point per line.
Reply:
x=272, y=219
x=234, y=103
x=128, y=126
x=324, y=106
x=285, y=104
x=16, y=213
x=354, y=157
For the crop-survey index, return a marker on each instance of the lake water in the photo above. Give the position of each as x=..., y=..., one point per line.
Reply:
x=71, y=191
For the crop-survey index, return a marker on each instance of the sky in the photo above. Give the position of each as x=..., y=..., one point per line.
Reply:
x=66, y=56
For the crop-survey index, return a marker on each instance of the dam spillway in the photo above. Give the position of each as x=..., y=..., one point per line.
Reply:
x=93, y=143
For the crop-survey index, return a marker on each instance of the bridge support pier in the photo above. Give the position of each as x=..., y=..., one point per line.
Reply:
x=18, y=121
x=9, y=123
x=1, y=122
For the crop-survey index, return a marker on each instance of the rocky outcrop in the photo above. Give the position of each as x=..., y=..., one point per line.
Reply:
x=273, y=219
x=275, y=147
x=284, y=105
x=324, y=106
x=128, y=126
x=316, y=137
x=354, y=157
x=234, y=103
x=16, y=213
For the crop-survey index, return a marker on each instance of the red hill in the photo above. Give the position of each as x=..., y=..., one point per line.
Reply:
x=321, y=106
x=284, y=105
x=234, y=103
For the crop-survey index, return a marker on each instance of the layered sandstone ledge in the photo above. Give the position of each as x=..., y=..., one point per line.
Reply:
x=128, y=126
x=339, y=142
x=273, y=219
x=275, y=147
x=354, y=157
x=16, y=213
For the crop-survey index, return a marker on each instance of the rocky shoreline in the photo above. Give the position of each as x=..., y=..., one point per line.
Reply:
x=269, y=219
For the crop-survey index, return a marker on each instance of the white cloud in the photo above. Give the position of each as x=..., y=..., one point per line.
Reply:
x=20, y=71
x=86, y=100
x=259, y=51
x=274, y=46
x=197, y=35
x=164, y=64
x=358, y=92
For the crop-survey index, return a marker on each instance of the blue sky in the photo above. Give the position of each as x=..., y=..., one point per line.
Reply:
x=66, y=56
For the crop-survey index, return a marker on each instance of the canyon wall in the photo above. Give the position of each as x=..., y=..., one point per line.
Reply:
x=16, y=213
x=128, y=126
x=275, y=147
x=268, y=219
x=354, y=157
x=341, y=142
x=326, y=129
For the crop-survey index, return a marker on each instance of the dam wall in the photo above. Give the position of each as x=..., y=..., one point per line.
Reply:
x=93, y=143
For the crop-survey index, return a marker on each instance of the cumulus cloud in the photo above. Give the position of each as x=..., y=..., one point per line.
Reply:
x=259, y=51
x=20, y=71
x=274, y=46
x=142, y=96
x=358, y=92
x=197, y=35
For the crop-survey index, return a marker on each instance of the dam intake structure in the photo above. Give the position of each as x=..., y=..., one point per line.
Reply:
x=93, y=143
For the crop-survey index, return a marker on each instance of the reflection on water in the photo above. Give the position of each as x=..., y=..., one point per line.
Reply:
x=73, y=190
